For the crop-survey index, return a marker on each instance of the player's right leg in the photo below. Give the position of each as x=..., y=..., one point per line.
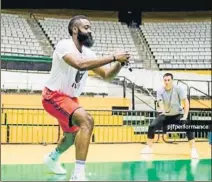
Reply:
x=151, y=133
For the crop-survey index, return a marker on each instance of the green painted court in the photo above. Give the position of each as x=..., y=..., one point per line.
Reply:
x=179, y=170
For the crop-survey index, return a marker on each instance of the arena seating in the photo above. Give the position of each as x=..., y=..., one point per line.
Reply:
x=17, y=38
x=184, y=45
x=181, y=45
x=109, y=36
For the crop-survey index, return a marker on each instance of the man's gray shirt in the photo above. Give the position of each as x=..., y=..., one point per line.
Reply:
x=172, y=99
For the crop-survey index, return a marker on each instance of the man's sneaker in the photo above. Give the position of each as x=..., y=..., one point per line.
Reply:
x=78, y=178
x=54, y=166
x=194, y=153
x=146, y=150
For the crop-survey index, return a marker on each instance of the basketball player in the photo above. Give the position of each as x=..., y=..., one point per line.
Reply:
x=72, y=58
x=169, y=98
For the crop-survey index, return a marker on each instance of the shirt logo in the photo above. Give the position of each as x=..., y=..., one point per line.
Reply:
x=78, y=78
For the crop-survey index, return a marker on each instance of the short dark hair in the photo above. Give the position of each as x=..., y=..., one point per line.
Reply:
x=73, y=22
x=168, y=74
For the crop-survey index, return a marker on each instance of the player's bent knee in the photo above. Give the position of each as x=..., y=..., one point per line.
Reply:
x=88, y=123
x=83, y=119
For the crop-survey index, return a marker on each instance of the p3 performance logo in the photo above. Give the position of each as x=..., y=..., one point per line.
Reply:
x=188, y=127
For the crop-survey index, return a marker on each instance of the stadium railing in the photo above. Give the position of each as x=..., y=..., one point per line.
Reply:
x=35, y=126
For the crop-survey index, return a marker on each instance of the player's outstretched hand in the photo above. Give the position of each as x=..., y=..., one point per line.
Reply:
x=122, y=56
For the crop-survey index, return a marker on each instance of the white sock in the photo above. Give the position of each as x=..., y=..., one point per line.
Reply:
x=55, y=155
x=79, y=167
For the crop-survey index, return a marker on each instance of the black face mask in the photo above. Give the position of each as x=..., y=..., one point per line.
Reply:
x=85, y=38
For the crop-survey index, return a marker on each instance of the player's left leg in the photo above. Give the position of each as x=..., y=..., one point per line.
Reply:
x=85, y=122
x=191, y=139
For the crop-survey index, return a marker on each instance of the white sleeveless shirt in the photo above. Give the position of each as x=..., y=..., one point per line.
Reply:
x=63, y=77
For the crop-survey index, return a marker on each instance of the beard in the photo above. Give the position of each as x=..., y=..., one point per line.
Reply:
x=85, y=39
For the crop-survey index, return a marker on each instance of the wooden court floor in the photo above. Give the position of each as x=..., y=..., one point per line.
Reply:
x=110, y=162
x=33, y=154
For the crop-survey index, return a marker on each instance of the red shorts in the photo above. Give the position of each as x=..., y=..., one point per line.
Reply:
x=61, y=107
